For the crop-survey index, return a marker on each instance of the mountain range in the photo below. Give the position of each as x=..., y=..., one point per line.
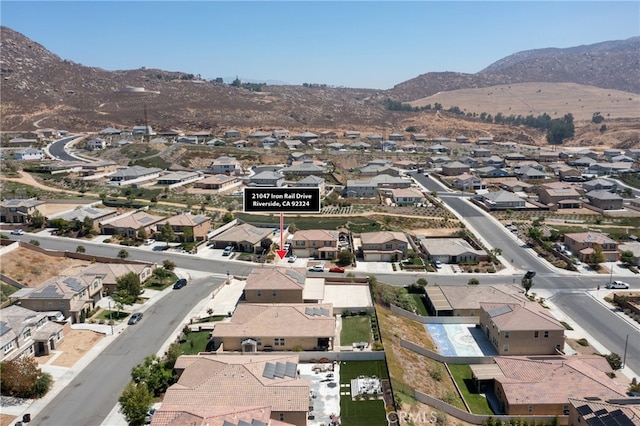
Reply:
x=39, y=86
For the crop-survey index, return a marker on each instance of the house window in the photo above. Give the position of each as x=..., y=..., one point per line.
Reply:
x=505, y=348
x=546, y=334
x=50, y=304
x=259, y=293
x=388, y=246
x=536, y=334
x=8, y=347
x=259, y=342
x=530, y=408
x=27, y=333
x=278, y=342
x=506, y=334
x=281, y=416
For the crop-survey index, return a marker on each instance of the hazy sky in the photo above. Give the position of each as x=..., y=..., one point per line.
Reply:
x=353, y=44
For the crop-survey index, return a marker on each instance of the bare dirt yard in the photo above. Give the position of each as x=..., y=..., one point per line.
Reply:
x=75, y=345
x=32, y=268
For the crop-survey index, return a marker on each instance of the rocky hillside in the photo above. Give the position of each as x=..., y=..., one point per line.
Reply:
x=609, y=65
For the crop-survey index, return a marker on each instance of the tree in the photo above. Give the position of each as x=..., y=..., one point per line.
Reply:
x=422, y=282
x=123, y=254
x=527, y=283
x=627, y=257
x=187, y=235
x=560, y=129
x=135, y=402
x=597, y=256
x=614, y=361
x=166, y=233
x=129, y=284
x=80, y=249
x=154, y=374
x=168, y=265
x=142, y=234
x=345, y=257
x=265, y=244
x=173, y=353
x=22, y=378
x=227, y=217
x=473, y=281
x=597, y=118
x=34, y=242
x=535, y=233
x=86, y=226
x=37, y=219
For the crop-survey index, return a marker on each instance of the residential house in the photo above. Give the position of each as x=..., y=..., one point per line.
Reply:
x=406, y=164
x=622, y=159
x=70, y=295
x=502, y=200
x=515, y=185
x=530, y=173
x=226, y=166
x=521, y=328
x=275, y=285
x=29, y=154
x=336, y=146
x=387, y=145
x=494, y=161
x=583, y=244
x=595, y=412
x=384, y=246
x=244, y=238
x=548, y=156
x=134, y=174
x=258, y=134
x=467, y=182
x=600, y=185
x=587, y=153
x=412, y=147
x=171, y=133
x=293, y=144
x=352, y=134
x=298, y=156
x=374, y=138
x=481, y=153
x=79, y=215
x=188, y=139
x=328, y=135
x=24, y=332
x=312, y=181
x=235, y=390
x=469, y=161
x=491, y=172
x=281, y=134
x=24, y=142
x=305, y=167
x=633, y=153
x=110, y=272
x=540, y=385
x=319, y=243
x=515, y=156
x=570, y=174
x=634, y=248
x=454, y=168
x=440, y=149
x=241, y=143
x=142, y=131
x=178, y=178
x=95, y=144
x=18, y=210
x=216, y=182
x=462, y=139
x=419, y=137
x=451, y=250
x=367, y=188
x=396, y=137
x=267, y=178
x=360, y=146
x=612, y=152
x=306, y=136
x=97, y=169
x=379, y=169
x=441, y=139
x=552, y=196
x=407, y=196
x=269, y=142
x=583, y=162
x=456, y=300
x=610, y=168
x=186, y=227
x=130, y=224
x=276, y=327
x=604, y=200
x=110, y=131
x=485, y=140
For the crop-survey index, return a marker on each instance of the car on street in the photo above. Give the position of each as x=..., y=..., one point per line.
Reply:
x=337, y=269
x=149, y=242
x=227, y=251
x=292, y=258
x=617, y=284
x=182, y=282
x=135, y=318
x=530, y=274
x=317, y=268
x=17, y=232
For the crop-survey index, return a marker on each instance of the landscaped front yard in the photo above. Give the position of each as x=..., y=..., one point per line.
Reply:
x=363, y=412
x=194, y=342
x=355, y=329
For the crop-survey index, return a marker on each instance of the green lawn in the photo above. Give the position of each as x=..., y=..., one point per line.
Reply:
x=422, y=309
x=362, y=413
x=195, y=342
x=155, y=283
x=355, y=329
x=477, y=403
x=104, y=315
x=6, y=291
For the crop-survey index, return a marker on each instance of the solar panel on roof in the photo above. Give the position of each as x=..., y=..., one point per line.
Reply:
x=269, y=369
x=258, y=423
x=615, y=413
x=324, y=312
x=308, y=311
x=280, y=368
x=226, y=423
x=625, y=421
x=4, y=327
x=74, y=284
x=584, y=409
x=243, y=423
x=144, y=219
x=600, y=412
x=291, y=369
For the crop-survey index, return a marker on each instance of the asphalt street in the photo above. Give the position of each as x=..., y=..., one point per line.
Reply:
x=57, y=149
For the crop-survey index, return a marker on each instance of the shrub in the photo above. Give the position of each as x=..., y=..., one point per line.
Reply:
x=436, y=373
x=583, y=342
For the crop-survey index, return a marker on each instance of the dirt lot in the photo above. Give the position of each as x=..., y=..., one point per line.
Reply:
x=75, y=345
x=32, y=268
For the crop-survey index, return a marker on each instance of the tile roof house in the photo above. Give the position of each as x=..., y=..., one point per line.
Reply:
x=130, y=224
x=468, y=182
x=456, y=300
x=80, y=214
x=231, y=134
x=225, y=165
x=515, y=185
x=305, y=167
x=582, y=244
x=28, y=154
x=178, y=178
x=95, y=144
x=134, y=174
x=279, y=327
x=312, y=181
x=243, y=237
x=216, y=182
x=18, y=210
x=521, y=328
x=25, y=332
x=318, y=243
x=275, y=285
x=451, y=250
x=187, y=226
x=407, y=196
x=502, y=200
x=384, y=246
x=454, y=168
x=110, y=272
x=230, y=390
x=69, y=295
x=604, y=200
x=367, y=188
x=599, y=184
x=552, y=196
x=543, y=385
x=267, y=178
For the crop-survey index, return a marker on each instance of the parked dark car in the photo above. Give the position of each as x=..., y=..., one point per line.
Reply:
x=135, y=318
x=180, y=283
x=530, y=274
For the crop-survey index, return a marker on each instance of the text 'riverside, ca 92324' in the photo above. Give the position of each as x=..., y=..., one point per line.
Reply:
x=283, y=200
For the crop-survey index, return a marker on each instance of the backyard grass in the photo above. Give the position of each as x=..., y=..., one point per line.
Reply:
x=420, y=306
x=6, y=291
x=194, y=342
x=477, y=403
x=355, y=329
x=364, y=412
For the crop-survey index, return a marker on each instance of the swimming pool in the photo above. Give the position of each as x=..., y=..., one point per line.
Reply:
x=459, y=340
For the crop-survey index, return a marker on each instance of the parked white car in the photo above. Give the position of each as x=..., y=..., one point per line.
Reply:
x=17, y=232
x=617, y=284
